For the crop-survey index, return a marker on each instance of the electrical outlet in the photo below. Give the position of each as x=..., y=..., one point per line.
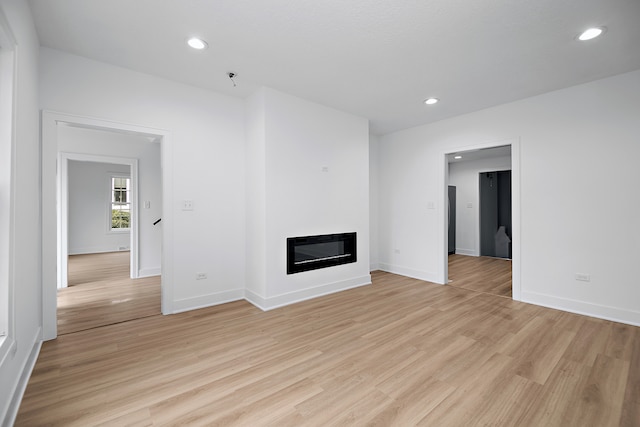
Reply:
x=201, y=276
x=397, y=251
x=187, y=205
x=582, y=277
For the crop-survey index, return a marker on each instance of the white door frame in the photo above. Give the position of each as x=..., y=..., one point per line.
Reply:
x=63, y=209
x=515, y=209
x=51, y=232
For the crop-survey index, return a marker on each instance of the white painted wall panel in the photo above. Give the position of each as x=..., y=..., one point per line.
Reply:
x=374, y=260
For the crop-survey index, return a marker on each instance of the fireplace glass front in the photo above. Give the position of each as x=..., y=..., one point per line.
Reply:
x=313, y=252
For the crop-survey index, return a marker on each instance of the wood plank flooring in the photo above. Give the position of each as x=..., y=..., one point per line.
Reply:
x=101, y=293
x=481, y=274
x=400, y=352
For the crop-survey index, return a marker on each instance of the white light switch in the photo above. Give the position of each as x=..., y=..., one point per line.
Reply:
x=469, y=205
x=147, y=204
x=431, y=205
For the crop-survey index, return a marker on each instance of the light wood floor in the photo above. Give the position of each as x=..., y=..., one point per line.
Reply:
x=101, y=293
x=481, y=274
x=400, y=352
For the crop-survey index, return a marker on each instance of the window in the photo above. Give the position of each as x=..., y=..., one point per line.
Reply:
x=120, y=206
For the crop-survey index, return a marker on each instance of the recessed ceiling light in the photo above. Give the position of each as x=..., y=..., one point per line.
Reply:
x=197, y=43
x=457, y=157
x=431, y=101
x=591, y=33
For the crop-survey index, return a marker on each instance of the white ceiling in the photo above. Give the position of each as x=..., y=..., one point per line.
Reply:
x=378, y=59
x=483, y=153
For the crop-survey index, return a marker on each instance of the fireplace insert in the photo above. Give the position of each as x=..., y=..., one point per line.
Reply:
x=313, y=252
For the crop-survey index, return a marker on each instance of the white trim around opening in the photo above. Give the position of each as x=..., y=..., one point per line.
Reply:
x=515, y=209
x=51, y=233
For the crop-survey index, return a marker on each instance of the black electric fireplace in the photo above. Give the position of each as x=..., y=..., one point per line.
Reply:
x=313, y=252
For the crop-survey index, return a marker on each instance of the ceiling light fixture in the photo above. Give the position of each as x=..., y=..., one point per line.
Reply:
x=591, y=33
x=197, y=43
x=431, y=101
x=458, y=157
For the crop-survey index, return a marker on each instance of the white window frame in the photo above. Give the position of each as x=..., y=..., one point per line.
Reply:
x=110, y=202
x=8, y=52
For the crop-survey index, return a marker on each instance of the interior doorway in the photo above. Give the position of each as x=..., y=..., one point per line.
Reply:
x=468, y=265
x=90, y=218
x=54, y=126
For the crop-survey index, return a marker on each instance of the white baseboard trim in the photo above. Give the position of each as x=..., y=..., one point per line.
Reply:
x=148, y=272
x=208, y=300
x=95, y=250
x=585, y=308
x=403, y=271
x=255, y=299
x=22, y=381
x=468, y=252
x=266, y=304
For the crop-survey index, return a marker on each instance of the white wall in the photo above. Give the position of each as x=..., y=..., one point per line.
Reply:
x=578, y=162
x=299, y=139
x=105, y=143
x=25, y=298
x=256, y=232
x=374, y=260
x=464, y=175
x=206, y=159
x=89, y=208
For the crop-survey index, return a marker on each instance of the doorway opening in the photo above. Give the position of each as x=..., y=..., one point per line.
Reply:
x=483, y=256
x=101, y=239
x=143, y=215
x=90, y=206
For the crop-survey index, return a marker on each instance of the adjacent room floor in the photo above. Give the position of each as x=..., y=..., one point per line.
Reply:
x=481, y=274
x=101, y=293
